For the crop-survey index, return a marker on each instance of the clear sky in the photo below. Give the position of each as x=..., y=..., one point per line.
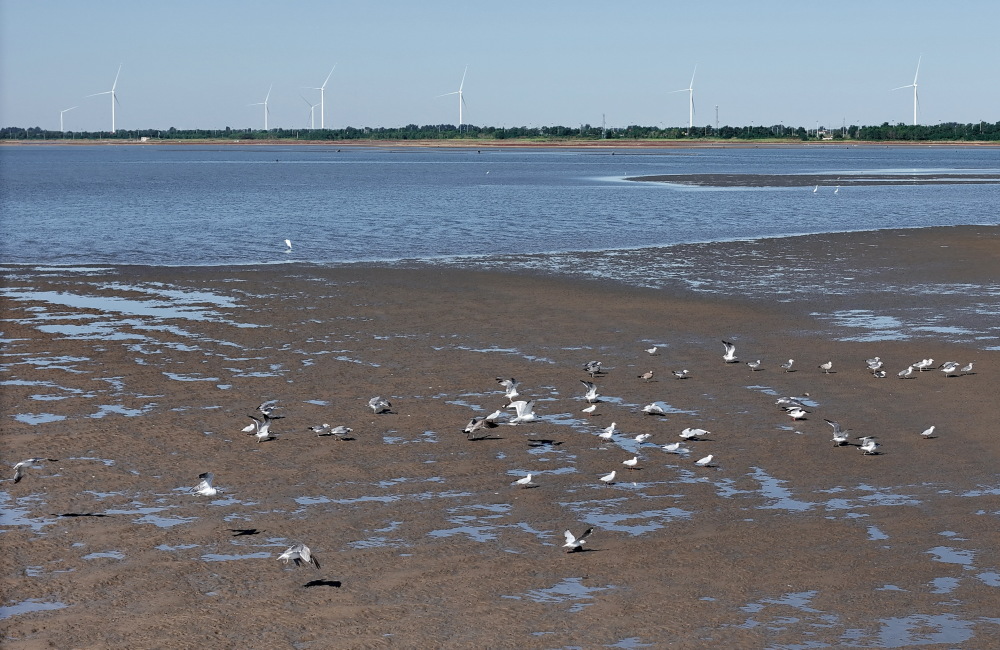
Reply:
x=199, y=64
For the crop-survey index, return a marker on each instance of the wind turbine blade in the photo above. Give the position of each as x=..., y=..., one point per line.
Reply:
x=96, y=94
x=463, y=78
x=306, y=101
x=918, y=69
x=268, y=96
x=692, y=76
x=327, y=77
x=682, y=90
x=116, y=76
x=901, y=87
x=113, y=95
x=463, y=100
x=446, y=94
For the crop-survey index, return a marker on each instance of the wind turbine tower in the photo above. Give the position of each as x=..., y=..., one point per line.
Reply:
x=264, y=104
x=65, y=110
x=114, y=97
x=322, y=98
x=461, y=99
x=914, y=86
x=690, y=91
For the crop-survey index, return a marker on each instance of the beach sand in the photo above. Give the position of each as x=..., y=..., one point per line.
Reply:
x=139, y=379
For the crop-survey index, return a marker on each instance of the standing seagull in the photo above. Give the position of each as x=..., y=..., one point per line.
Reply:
x=205, y=488
x=379, y=404
x=787, y=367
x=299, y=554
x=652, y=350
x=592, y=368
x=928, y=432
x=590, y=410
x=754, y=365
x=967, y=369
x=839, y=435
x=730, y=355
x=576, y=543
x=631, y=462
x=826, y=367
x=704, y=462
x=608, y=479
x=949, y=368
x=19, y=468
x=869, y=446
x=646, y=376
x=591, y=394
x=905, y=373
x=680, y=374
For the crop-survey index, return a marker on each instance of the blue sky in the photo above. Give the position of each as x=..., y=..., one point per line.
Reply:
x=200, y=64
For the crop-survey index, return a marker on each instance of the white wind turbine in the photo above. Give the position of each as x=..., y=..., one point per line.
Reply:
x=264, y=104
x=690, y=91
x=65, y=110
x=312, y=113
x=322, y=98
x=461, y=99
x=114, y=97
x=914, y=86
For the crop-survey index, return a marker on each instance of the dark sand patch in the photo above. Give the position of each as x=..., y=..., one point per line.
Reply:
x=422, y=539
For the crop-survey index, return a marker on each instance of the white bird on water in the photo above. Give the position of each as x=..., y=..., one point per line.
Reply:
x=299, y=554
x=608, y=479
x=379, y=404
x=19, y=468
x=205, y=487
x=288, y=245
x=524, y=482
x=591, y=394
x=704, y=462
x=574, y=543
x=730, y=355
x=643, y=437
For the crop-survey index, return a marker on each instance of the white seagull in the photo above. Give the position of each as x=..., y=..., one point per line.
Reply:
x=869, y=446
x=928, y=432
x=704, y=462
x=631, y=462
x=796, y=413
x=592, y=368
x=949, y=368
x=676, y=448
x=906, y=373
x=966, y=369
x=589, y=410
x=19, y=468
x=477, y=424
x=299, y=554
x=205, y=487
x=643, y=437
x=524, y=482
x=788, y=366
x=261, y=427
x=826, y=367
x=689, y=433
x=524, y=411
x=379, y=404
x=653, y=409
x=591, y=394
x=576, y=543
x=267, y=407
x=839, y=435
x=652, y=350
x=510, y=387
x=646, y=376
x=730, y=355
x=608, y=479
x=325, y=430
x=609, y=432
x=924, y=364
x=288, y=245
x=754, y=365
x=680, y=374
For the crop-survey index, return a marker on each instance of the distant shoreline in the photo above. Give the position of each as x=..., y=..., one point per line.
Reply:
x=514, y=144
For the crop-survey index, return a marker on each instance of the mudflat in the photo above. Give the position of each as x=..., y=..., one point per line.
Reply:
x=138, y=379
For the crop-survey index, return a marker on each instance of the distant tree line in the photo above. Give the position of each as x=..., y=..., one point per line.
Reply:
x=950, y=131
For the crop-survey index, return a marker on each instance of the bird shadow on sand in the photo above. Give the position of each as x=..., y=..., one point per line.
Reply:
x=80, y=514
x=542, y=442
x=242, y=532
x=323, y=583
x=577, y=551
x=481, y=438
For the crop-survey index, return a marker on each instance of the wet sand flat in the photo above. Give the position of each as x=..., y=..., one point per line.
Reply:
x=139, y=379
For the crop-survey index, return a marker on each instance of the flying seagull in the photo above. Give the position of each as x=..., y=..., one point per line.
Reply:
x=524, y=411
x=576, y=543
x=261, y=427
x=510, y=387
x=19, y=468
x=205, y=487
x=299, y=554
x=796, y=413
x=379, y=404
x=730, y=355
x=267, y=407
x=477, y=424
x=839, y=435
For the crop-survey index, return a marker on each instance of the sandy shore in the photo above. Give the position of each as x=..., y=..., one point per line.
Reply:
x=139, y=379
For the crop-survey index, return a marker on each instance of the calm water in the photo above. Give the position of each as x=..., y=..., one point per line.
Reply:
x=205, y=205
